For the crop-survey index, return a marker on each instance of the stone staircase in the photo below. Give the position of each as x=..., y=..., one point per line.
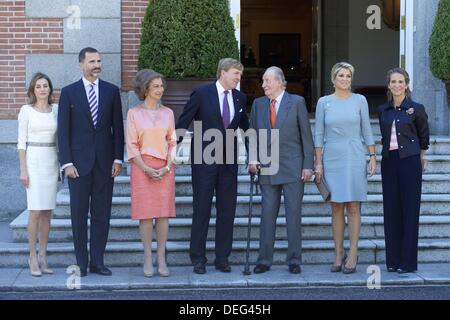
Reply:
x=124, y=247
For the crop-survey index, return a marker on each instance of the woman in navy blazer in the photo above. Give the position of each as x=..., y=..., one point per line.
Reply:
x=405, y=138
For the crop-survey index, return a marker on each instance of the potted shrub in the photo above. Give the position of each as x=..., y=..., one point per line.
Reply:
x=439, y=47
x=184, y=40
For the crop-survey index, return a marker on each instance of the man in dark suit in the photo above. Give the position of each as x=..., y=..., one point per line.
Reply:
x=217, y=106
x=285, y=119
x=91, y=143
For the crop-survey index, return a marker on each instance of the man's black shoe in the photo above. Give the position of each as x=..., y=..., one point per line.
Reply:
x=199, y=268
x=261, y=268
x=294, y=268
x=83, y=272
x=102, y=270
x=223, y=267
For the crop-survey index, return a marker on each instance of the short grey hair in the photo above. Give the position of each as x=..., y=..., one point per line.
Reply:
x=143, y=79
x=338, y=67
x=228, y=63
x=278, y=73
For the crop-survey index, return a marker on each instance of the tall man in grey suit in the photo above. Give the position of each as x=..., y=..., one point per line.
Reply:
x=284, y=112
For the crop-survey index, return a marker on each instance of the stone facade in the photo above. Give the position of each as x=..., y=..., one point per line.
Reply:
x=44, y=35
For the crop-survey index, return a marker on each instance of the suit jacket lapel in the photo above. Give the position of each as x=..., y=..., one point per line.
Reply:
x=84, y=101
x=283, y=111
x=237, y=104
x=215, y=104
x=101, y=100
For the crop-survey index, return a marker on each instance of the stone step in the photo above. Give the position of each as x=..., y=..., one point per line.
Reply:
x=122, y=254
x=313, y=205
x=437, y=164
x=438, y=145
x=432, y=183
x=313, y=228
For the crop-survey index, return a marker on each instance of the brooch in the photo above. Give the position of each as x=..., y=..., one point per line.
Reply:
x=410, y=111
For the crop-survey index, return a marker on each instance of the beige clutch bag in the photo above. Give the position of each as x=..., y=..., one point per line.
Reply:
x=323, y=189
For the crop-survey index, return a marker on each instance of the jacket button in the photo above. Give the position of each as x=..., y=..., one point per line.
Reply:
x=398, y=133
x=398, y=120
x=412, y=140
x=401, y=147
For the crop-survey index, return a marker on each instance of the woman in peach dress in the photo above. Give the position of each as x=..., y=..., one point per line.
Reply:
x=151, y=147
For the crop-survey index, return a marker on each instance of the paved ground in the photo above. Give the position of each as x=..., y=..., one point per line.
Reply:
x=19, y=280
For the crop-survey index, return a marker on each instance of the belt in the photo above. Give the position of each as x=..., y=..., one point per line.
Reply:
x=41, y=144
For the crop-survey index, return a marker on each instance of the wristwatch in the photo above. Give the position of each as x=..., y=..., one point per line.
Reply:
x=373, y=155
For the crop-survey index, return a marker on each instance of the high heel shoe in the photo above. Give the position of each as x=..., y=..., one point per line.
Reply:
x=347, y=270
x=34, y=267
x=335, y=268
x=163, y=271
x=44, y=266
x=148, y=270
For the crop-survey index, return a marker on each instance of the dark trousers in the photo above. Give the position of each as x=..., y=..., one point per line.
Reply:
x=90, y=193
x=402, y=185
x=206, y=179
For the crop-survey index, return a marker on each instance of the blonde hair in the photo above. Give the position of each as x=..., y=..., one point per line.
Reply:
x=228, y=63
x=338, y=67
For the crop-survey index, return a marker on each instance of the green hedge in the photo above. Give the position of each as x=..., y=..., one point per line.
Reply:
x=439, y=48
x=186, y=38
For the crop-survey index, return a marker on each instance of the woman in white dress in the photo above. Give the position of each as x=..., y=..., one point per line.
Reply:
x=39, y=168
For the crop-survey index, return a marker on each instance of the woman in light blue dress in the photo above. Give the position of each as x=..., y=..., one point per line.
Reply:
x=342, y=129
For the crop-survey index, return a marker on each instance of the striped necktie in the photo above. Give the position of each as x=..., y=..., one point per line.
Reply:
x=93, y=103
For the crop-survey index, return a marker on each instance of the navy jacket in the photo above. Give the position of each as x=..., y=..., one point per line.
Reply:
x=204, y=106
x=411, y=124
x=82, y=143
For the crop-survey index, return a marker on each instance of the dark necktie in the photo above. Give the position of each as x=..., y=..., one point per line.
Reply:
x=226, y=110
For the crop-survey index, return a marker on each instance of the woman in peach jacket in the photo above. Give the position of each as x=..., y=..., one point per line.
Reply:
x=151, y=147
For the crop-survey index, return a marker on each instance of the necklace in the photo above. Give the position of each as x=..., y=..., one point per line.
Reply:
x=46, y=109
x=158, y=105
x=153, y=115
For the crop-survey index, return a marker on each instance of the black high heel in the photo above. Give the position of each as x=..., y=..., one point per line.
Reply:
x=335, y=268
x=346, y=270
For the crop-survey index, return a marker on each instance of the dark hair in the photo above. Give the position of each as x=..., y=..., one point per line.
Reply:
x=32, y=97
x=82, y=54
x=388, y=80
x=143, y=80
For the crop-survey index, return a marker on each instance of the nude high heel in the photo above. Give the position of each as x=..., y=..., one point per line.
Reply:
x=34, y=267
x=44, y=266
x=148, y=269
x=163, y=271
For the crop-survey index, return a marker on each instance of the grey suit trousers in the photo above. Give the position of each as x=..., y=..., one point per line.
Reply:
x=271, y=197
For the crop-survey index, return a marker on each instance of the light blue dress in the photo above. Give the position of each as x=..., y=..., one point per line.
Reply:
x=343, y=131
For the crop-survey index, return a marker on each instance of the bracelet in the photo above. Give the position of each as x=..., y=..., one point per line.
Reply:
x=318, y=166
x=372, y=155
x=168, y=168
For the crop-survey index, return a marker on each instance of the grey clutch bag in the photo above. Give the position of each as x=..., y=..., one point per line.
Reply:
x=323, y=189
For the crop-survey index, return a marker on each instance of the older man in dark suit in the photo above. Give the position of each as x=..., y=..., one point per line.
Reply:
x=91, y=143
x=285, y=119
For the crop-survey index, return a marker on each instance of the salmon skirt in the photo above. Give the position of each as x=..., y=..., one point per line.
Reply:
x=152, y=198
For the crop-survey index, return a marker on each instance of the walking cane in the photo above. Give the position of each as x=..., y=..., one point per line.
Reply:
x=247, y=253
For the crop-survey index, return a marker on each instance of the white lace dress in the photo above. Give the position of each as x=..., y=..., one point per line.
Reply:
x=37, y=135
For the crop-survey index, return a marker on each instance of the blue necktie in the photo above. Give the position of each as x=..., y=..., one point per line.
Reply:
x=93, y=103
x=226, y=110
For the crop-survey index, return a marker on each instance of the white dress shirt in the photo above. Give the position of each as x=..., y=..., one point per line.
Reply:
x=221, y=90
